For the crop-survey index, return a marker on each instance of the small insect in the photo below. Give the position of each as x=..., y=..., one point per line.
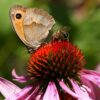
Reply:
x=62, y=34
x=32, y=25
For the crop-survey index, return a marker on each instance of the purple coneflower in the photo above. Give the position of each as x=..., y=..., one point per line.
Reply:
x=56, y=73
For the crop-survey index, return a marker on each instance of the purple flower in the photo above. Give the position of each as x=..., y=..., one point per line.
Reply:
x=55, y=72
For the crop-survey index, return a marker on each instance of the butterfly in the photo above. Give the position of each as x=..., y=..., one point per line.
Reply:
x=32, y=25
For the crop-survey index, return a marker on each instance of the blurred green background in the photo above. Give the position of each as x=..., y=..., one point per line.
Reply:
x=81, y=16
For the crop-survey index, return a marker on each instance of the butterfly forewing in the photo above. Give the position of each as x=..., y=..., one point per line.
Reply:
x=18, y=23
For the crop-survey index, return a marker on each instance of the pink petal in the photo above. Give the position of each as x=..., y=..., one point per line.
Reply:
x=82, y=92
x=96, y=90
x=89, y=72
x=51, y=92
x=94, y=84
x=21, y=79
x=28, y=93
x=7, y=88
x=92, y=76
x=69, y=91
x=21, y=95
x=34, y=94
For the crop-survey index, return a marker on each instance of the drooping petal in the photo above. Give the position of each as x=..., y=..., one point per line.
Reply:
x=35, y=94
x=22, y=95
x=51, y=92
x=21, y=79
x=69, y=91
x=92, y=80
x=30, y=92
x=96, y=90
x=7, y=88
x=90, y=72
x=92, y=76
x=88, y=83
x=82, y=92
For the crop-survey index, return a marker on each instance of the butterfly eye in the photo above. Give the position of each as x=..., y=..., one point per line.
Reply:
x=18, y=16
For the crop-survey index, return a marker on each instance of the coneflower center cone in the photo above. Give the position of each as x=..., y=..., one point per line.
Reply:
x=56, y=60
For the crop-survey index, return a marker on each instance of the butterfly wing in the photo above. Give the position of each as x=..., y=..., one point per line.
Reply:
x=18, y=23
x=37, y=24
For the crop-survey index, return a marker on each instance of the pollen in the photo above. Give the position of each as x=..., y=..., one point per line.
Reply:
x=56, y=60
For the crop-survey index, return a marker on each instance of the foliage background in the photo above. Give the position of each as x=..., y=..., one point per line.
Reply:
x=82, y=16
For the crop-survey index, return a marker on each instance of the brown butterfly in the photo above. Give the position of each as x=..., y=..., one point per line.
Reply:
x=32, y=25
